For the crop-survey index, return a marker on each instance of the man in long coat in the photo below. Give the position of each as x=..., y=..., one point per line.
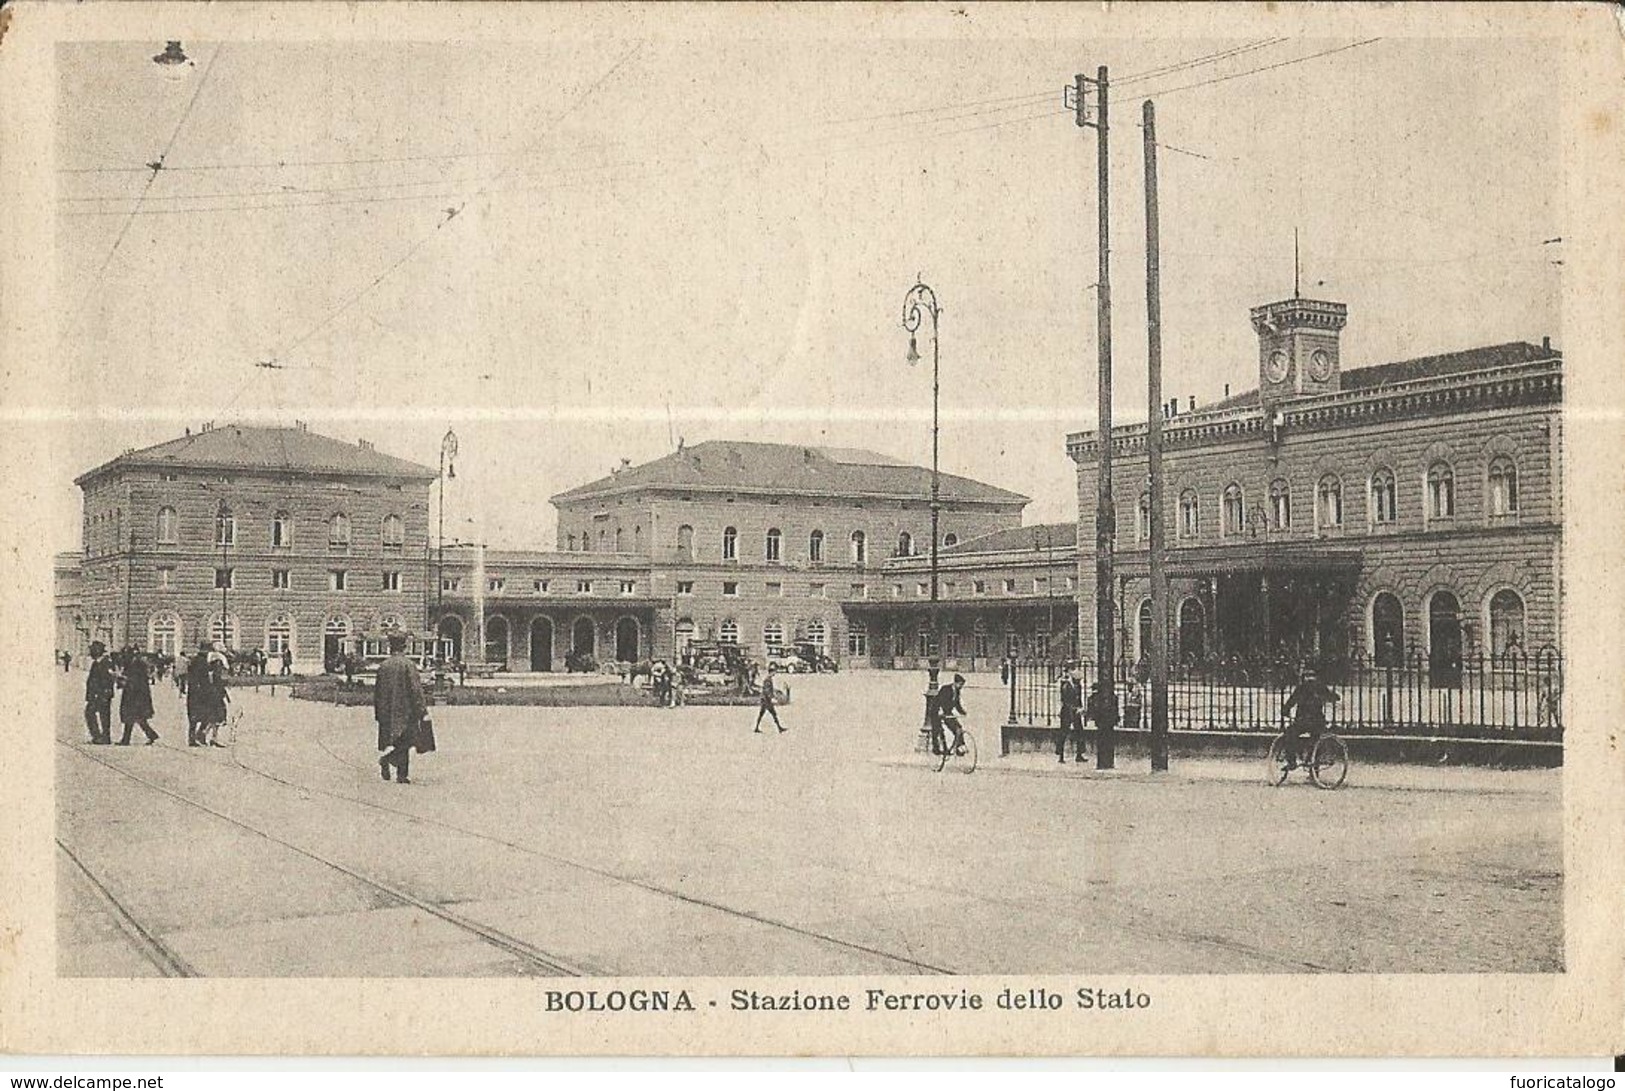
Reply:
x=398, y=706
x=99, y=686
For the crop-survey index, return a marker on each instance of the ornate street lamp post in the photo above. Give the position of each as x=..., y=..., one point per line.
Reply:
x=448, y=468
x=919, y=302
x=224, y=531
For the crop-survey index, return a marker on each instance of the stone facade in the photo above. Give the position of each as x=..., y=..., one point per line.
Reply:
x=323, y=555
x=1290, y=519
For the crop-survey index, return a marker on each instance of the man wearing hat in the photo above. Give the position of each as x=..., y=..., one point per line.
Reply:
x=1071, y=713
x=1306, y=706
x=399, y=707
x=99, y=687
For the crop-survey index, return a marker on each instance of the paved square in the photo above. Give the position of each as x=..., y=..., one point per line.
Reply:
x=645, y=841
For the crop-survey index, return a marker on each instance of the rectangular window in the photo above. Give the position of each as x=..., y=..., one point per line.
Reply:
x=729, y=587
x=392, y=581
x=280, y=579
x=896, y=590
x=541, y=586
x=1072, y=583
x=495, y=585
x=949, y=588
x=222, y=578
x=583, y=587
x=336, y=579
x=860, y=590
x=629, y=587
x=1040, y=585
x=922, y=589
x=450, y=583
x=815, y=590
x=1009, y=587
x=685, y=587
x=979, y=587
x=225, y=530
x=166, y=577
x=775, y=590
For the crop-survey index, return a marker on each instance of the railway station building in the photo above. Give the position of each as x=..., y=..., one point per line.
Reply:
x=1408, y=509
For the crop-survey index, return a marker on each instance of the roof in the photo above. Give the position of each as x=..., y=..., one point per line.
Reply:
x=724, y=465
x=1038, y=538
x=1422, y=367
x=250, y=448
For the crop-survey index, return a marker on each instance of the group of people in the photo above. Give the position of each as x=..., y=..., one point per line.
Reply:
x=666, y=683
x=1100, y=709
x=202, y=682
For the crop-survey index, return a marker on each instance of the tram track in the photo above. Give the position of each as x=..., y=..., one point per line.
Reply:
x=528, y=953
x=543, y=963
x=163, y=957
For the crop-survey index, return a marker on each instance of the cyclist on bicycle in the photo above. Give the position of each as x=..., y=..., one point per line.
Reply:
x=946, y=708
x=1306, y=706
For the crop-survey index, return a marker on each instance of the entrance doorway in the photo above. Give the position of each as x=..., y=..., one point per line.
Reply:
x=541, y=644
x=1192, y=631
x=1444, y=640
x=582, y=638
x=1387, y=630
x=451, y=639
x=626, y=640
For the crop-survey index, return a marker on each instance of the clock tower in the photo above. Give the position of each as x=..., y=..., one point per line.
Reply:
x=1297, y=347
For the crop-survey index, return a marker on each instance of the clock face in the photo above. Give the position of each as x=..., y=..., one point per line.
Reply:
x=1320, y=365
x=1277, y=366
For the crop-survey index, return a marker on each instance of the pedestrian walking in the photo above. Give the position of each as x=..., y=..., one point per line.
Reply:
x=399, y=707
x=287, y=661
x=1071, y=714
x=135, y=706
x=206, y=696
x=1133, y=702
x=67, y=662
x=769, y=696
x=1102, y=710
x=99, y=687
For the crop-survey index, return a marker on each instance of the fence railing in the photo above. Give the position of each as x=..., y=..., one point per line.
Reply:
x=1513, y=694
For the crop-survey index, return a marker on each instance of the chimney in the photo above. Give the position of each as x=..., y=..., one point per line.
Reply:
x=1227, y=390
x=1546, y=344
x=1191, y=408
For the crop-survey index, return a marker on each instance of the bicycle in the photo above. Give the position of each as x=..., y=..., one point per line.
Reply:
x=934, y=741
x=1327, y=764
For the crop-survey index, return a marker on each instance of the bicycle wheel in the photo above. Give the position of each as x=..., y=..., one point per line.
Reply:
x=1329, y=764
x=1275, y=765
x=967, y=760
x=943, y=755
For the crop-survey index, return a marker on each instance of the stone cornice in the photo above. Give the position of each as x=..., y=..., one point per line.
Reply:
x=1535, y=383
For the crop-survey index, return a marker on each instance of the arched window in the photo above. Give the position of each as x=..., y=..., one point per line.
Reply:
x=1387, y=630
x=1142, y=631
x=586, y=541
x=618, y=548
x=685, y=543
x=1503, y=486
x=949, y=541
x=729, y=632
x=978, y=638
x=281, y=530
x=815, y=546
x=905, y=544
x=1234, y=514
x=1190, y=514
x=860, y=549
x=730, y=544
x=773, y=637
x=816, y=634
x=496, y=641
x=774, y=543
x=922, y=641
x=1441, y=491
x=225, y=528
x=166, y=526
x=571, y=540
x=1192, y=631
x=857, y=638
x=1329, y=502
x=394, y=533
x=603, y=539
x=1280, y=505
x=278, y=635
x=225, y=636
x=338, y=531
x=1506, y=623
x=164, y=633
x=1142, y=518
x=637, y=538
x=1384, y=497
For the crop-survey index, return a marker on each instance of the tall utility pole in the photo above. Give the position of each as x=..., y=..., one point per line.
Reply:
x=1105, y=517
x=1153, y=448
x=919, y=302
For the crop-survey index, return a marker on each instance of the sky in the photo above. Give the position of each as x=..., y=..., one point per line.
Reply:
x=577, y=253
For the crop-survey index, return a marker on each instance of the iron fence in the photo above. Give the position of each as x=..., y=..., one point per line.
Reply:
x=1513, y=694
